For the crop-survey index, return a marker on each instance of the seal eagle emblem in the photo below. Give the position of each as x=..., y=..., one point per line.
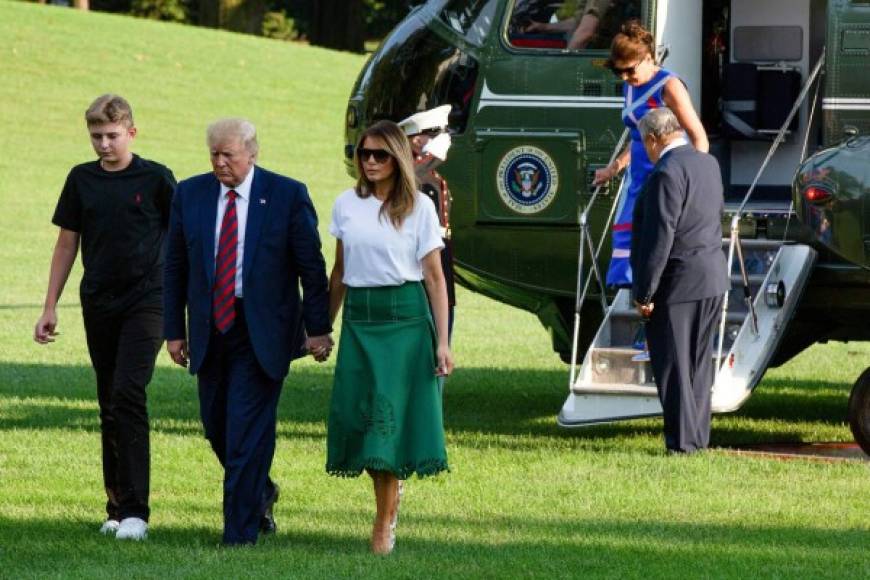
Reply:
x=527, y=179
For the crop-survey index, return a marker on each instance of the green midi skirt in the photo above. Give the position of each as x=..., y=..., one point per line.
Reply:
x=386, y=412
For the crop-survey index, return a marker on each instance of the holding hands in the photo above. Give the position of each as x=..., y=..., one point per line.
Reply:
x=319, y=346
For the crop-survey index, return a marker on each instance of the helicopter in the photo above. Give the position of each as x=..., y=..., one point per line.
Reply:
x=782, y=90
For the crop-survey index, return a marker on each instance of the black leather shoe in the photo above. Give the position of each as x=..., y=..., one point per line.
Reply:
x=267, y=521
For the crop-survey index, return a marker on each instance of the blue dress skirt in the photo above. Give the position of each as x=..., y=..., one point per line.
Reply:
x=638, y=101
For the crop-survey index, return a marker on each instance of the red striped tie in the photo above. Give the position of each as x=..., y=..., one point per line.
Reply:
x=225, y=268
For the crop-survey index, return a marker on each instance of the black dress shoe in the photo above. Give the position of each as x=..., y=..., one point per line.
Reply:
x=267, y=521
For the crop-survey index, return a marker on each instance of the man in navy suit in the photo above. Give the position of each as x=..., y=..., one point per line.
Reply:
x=680, y=275
x=241, y=240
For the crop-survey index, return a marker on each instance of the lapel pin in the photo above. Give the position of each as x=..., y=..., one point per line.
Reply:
x=262, y=201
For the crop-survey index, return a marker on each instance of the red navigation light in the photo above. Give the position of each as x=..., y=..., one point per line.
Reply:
x=816, y=194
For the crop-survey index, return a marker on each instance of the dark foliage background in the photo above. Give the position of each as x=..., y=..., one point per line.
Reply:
x=339, y=24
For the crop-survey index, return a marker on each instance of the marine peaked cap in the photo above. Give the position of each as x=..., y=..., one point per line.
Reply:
x=432, y=119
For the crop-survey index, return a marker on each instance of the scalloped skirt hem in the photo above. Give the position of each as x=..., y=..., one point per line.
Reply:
x=427, y=468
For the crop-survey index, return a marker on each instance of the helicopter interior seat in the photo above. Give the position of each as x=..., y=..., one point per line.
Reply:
x=524, y=40
x=762, y=83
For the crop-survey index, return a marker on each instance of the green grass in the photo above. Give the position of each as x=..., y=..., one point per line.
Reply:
x=524, y=499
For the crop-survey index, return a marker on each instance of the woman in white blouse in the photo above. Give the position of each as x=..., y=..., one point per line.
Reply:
x=385, y=416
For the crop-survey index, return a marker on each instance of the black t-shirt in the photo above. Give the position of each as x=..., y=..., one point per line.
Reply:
x=122, y=217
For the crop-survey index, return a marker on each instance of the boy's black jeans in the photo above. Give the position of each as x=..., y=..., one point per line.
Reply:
x=123, y=348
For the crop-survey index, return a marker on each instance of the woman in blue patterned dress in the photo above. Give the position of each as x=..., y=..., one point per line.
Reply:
x=647, y=86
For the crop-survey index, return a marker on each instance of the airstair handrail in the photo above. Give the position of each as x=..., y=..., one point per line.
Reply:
x=584, y=222
x=734, y=243
x=613, y=155
x=594, y=251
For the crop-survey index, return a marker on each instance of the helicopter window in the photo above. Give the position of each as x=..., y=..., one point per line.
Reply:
x=569, y=24
x=415, y=71
x=470, y=18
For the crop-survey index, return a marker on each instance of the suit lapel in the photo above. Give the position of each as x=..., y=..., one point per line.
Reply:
x=257, y=207
x=208, y=213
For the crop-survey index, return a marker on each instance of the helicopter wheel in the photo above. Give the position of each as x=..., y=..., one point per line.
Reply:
x=859, y=411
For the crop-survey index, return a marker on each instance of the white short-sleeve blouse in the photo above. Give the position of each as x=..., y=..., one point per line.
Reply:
x=375, y=252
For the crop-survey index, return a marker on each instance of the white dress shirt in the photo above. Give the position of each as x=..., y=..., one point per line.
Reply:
x=243, y=193
x=678, y=142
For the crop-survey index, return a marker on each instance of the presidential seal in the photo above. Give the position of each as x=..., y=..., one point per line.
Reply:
x=527, y=179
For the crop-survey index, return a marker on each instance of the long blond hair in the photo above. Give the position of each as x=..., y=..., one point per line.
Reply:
x=400, y=201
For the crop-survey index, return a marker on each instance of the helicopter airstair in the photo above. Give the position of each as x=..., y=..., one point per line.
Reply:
x=768, y=277
x=616, y=381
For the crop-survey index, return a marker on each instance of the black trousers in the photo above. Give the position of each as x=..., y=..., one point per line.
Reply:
x=239, y=407
x=680, y=339
x=123, y=348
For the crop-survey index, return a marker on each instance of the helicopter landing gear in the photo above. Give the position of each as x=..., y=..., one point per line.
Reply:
x=859, y=411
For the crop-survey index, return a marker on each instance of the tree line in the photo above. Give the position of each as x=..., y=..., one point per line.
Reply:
x=336, y=24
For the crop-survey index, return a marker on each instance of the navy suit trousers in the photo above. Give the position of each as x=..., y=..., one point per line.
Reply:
x=238, y=406
x=680, y=339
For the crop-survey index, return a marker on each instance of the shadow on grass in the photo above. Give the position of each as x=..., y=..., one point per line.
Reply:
x=456, y=546
x=516, y=403
x=809, y=400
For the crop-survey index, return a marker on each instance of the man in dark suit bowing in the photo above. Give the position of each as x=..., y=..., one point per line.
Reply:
x=241, y=240
x=680, y=275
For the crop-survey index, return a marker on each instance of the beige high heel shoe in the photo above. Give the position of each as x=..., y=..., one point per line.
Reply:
x=385, y=546
x=399, y=494
x=383, y=540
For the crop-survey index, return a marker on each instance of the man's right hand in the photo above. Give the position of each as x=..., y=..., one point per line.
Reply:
x=44, y=332
x=177, y=350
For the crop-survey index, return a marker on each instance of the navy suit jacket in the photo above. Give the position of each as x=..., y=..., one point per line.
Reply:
x=282, y=250
x=676, y=242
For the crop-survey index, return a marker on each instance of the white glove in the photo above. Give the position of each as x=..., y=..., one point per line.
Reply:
x=438, y=146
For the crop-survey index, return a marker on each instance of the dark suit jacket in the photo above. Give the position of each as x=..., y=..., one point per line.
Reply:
x=676, y=245
x=282, y=249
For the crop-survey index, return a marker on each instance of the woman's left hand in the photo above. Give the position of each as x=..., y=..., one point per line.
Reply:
x=605, y=174
x=445, y=361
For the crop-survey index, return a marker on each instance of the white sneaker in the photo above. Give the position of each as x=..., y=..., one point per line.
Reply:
x=132, y=529
x=109, y=526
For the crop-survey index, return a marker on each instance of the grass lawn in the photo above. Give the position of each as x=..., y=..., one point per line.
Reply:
x=524, y=499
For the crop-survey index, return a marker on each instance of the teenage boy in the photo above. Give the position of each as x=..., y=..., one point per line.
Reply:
x=117, y=207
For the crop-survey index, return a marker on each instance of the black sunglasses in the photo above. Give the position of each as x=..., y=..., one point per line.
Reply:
x=380, y=155
x=629, y=70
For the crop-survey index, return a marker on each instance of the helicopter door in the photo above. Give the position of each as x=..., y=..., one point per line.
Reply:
x=541, y=95
x=532, y=176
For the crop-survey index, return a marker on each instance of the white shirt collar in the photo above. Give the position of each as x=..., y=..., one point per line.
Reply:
x=678, y=142
x=244, y=188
